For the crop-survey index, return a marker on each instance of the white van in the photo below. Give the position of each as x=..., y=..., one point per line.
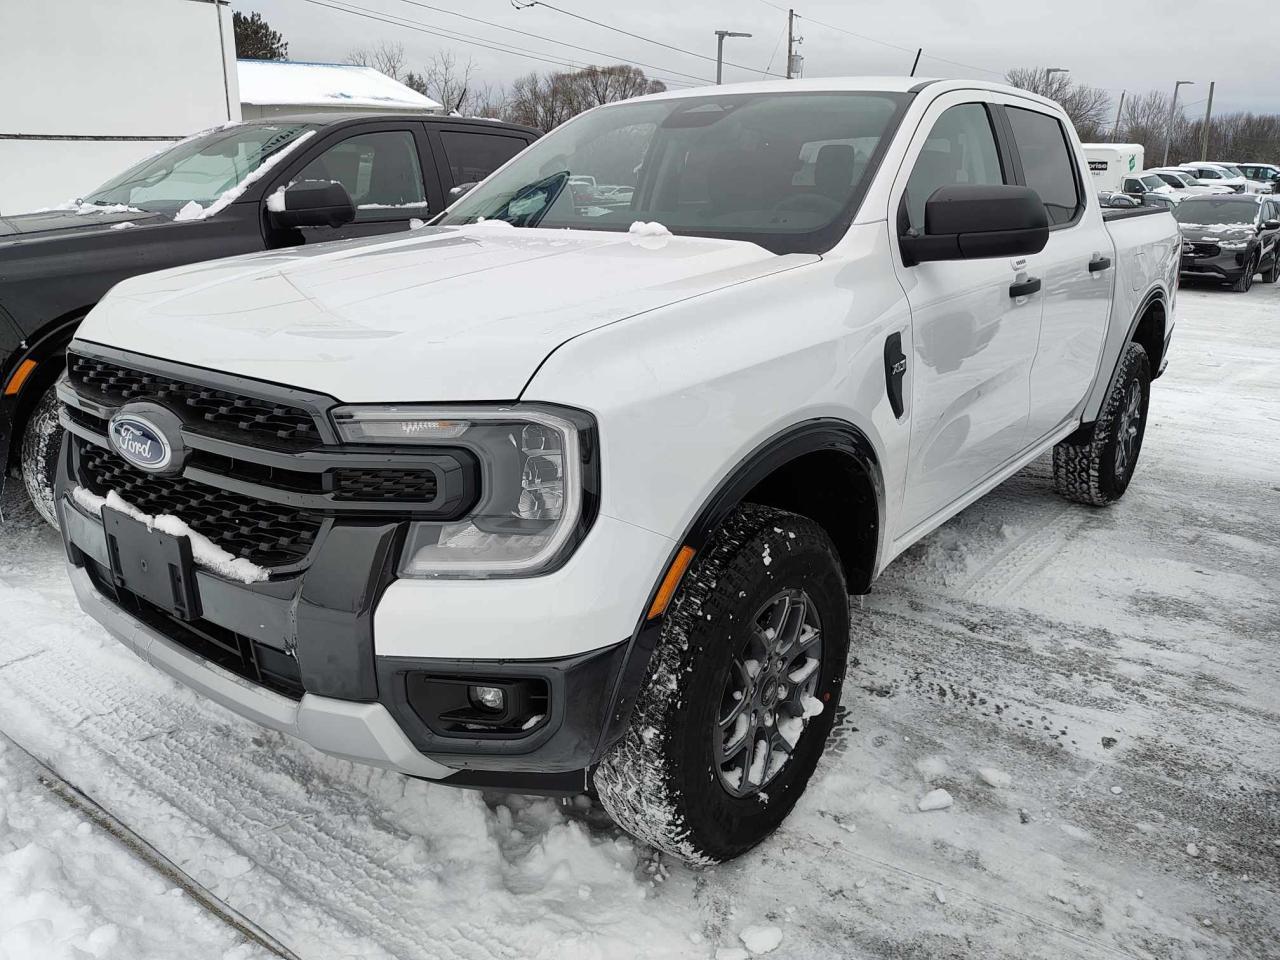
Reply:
x=1110, y=163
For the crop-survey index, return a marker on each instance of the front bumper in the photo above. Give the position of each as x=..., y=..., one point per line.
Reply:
x=372, y=719
x=1227, y=267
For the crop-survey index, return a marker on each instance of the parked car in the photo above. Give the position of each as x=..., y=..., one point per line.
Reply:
x=1267, y=173
x=1218, y=175
x=1145, y=182
x=1184, y=184
x=1230, y=238
x=540, y=496
x=207, y=197
x=1256, y=186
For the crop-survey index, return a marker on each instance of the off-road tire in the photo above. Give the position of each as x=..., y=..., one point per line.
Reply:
x=1245, y=283
x=659, y=782
x=41, y=442
x=1084, y=465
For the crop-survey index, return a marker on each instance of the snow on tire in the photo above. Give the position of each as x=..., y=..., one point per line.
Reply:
x=1095, y=464
x=675, y=779
x=41, y=442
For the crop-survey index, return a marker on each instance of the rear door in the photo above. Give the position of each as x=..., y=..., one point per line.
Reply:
x=972, y=339
x=468, y=153
x=1075, y=268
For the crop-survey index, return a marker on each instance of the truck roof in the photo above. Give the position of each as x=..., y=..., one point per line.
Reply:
x=328, y=119
x=888, y=84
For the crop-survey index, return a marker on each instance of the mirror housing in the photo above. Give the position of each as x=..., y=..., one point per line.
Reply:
x=970, y=221
x=311, y=203
x=1271, y=225
x=462, y=189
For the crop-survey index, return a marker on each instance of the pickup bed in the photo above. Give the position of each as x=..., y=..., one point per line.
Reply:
x=570, y=487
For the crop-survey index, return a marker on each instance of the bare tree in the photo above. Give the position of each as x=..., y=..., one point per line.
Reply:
x=385, y=57
x=446, y=80
x=548, y=100
x=1088, y=107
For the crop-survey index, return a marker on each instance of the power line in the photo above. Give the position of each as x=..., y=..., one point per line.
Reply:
x=446, y=34
x=635, y=36
x=563, y=43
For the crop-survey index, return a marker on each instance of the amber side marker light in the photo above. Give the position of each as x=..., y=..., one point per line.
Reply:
x=19, y=378
x=669, y=583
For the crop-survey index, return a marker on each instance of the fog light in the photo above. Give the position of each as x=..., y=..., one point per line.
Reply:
x=488, y=698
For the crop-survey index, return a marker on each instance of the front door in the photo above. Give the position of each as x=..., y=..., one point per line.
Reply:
x=972, y=339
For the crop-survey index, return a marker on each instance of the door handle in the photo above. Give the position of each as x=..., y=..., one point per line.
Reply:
x=1024, y=288
x=1099, y=263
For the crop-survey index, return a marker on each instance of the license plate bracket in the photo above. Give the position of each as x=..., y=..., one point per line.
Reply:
x=154, y=565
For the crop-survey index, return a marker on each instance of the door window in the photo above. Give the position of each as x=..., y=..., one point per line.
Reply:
x=473, y=156
x=379, y=170
x=1047, y=163
x=961, y=148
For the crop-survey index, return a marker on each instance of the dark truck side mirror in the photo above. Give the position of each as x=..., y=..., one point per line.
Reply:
x=311, y=203
x=969, y=221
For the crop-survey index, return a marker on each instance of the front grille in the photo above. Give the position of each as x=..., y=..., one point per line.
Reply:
x=268, y=534
x=284, y=425
x=1205, y=249
x=234, y=652
x=396, y=486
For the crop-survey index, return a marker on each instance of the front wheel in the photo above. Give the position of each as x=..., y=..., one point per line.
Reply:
x=1095, y=464
x=740, y=694
x=1245, y=281
x=41, y=442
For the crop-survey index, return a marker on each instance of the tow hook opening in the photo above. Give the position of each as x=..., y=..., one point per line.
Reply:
x=473, y=707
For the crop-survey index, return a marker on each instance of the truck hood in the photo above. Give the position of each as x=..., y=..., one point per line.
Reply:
x=1235, y=232
x=439, y=314
x=86, y=220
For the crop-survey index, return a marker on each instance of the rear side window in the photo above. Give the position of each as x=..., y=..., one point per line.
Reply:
x=961, y=148
x=1046, y=162
x=473, y=156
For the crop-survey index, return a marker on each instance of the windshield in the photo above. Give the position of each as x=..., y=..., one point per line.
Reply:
x=202, y=168
x=1153, y=182
x=784, y=170
x=1232, y=169
x=1209, y=212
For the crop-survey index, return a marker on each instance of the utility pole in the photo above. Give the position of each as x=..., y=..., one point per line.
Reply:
x=1204, y=134
x=915, y=63
x=720, y=35
x=794, y=60
x=1115, y=130
x=1173, y=109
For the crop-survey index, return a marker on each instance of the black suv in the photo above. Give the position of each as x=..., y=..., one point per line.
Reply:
x=217, y=194
x=1230, y=238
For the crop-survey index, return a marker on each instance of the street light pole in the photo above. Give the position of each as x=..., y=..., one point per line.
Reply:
x=1173, y=107
x=720, y=35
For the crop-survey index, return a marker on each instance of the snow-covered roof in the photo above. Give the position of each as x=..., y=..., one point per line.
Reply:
x=296, y=84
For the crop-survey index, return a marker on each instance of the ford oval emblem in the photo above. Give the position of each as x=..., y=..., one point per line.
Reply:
x=140, y=442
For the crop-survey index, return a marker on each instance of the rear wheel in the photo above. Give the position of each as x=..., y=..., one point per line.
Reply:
x=1095, y=464
x=741, y=692
x=41, y=442
x=1271, y=274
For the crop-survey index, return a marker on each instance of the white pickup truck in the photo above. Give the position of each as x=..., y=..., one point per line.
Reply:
x=558, y=493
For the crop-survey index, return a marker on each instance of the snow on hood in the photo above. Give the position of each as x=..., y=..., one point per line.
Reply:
x=1217, y=231
x=438, y=314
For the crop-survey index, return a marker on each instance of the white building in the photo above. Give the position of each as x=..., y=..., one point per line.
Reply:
x=272, y=88
x=91, y=87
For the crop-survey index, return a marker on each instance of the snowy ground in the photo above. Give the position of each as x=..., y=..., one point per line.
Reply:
x=1114, y=672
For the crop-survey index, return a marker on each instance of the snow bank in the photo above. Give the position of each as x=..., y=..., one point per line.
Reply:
x=204, y=551
x=652, y=229
x=194, y=211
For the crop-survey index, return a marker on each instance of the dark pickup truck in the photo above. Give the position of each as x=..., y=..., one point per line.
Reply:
x=217, y=194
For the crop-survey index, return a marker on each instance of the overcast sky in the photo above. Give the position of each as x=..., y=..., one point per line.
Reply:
x=1102, y=43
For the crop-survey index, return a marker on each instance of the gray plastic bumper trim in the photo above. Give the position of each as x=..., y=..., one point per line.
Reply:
x=363, y=732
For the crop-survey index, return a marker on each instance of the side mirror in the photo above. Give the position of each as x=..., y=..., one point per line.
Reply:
x=968, y=222
x=311, y=203
x=462, y=188
x=1271, y=225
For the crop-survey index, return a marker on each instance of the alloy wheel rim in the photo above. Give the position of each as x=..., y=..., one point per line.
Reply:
x=772, y=676
x=1127, y=437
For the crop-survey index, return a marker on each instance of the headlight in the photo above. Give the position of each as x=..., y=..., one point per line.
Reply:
x=539, y=482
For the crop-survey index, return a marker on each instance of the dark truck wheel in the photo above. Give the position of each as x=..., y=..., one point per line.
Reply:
x=41, y=441
x=741, y=691
x=1095, y=466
